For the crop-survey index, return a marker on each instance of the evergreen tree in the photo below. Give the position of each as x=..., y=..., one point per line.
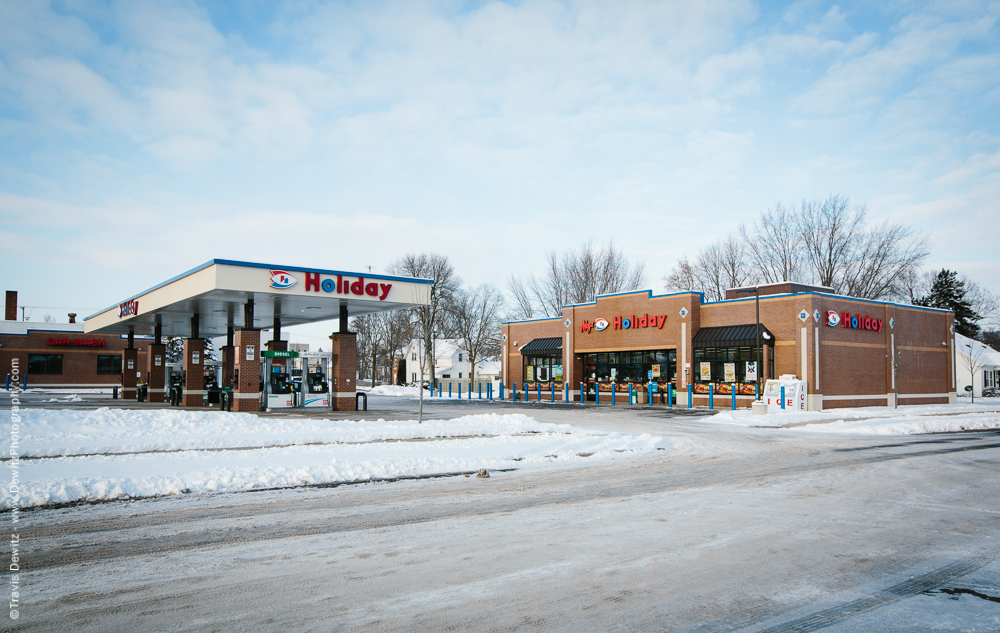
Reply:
x=175, y=349
x=949, y=292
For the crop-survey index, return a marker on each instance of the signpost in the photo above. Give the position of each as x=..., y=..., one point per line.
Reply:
x=278, y=354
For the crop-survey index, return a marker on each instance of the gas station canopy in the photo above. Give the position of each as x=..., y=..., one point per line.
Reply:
x=219, y=292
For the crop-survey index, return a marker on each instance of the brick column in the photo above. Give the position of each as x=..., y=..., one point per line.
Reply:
x=343, y=371
x=156, y=365
x=130, y=365
x=765, y=371
x=228, y=364
x=194, y=372
x=278, y=346
x=246, y=394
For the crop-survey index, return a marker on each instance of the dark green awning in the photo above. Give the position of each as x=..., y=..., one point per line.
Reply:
x=543, y=347
x=732, y=336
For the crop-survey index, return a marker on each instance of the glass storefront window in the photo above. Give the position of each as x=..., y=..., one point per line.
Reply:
x=622, y=367
x=715, y=359
x=542, y=368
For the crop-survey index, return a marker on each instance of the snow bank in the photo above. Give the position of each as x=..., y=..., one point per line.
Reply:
x=905, y=420
x=47, y=432
x=324, y=451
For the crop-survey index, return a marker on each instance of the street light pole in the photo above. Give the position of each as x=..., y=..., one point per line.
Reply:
x=756, y=300
x=434, y=354
x=972, y=376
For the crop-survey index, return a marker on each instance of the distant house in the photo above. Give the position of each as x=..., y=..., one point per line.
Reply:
x=451, y=362
x=986, y=359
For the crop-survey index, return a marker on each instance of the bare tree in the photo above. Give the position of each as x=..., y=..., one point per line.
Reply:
x=429, y=266
x=882, y=256
x=826, y=241
x=682, y=277
x=829, y=230
x=774, y=244
x=397, y=332
x=369, y=339
x=520, y=291
x=578, y=277
x=972, y=357
x=984, y=303
x=476, y=316
x=722, y=265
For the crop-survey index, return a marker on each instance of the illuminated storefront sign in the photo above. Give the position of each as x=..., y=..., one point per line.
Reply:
x=856, y=322
x=625, y=323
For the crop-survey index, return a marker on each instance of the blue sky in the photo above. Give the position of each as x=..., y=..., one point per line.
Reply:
x=140, y=139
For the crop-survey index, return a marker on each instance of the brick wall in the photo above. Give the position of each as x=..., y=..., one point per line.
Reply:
x=836, y=362
x=79, y=366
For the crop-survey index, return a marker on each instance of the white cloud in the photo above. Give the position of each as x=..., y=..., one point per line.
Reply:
x=494, y=133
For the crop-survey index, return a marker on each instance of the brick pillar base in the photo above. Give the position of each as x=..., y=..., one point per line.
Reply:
x=194, y=372
x=343, y=371
x=228, y=359
x=246, y=394
x=156, y=365
x=130, y=365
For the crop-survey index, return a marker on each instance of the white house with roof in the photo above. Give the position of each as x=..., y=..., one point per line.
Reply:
x=451, y=362
x=976, y=365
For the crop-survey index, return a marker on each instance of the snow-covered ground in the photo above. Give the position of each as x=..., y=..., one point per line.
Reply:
x=108, y=453
x=904, y=420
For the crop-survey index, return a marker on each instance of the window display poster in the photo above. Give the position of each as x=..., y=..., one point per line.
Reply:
x=706, y=371
x=656, y=371
x=557, y=372
x=730, y=370
x=529, y=373
x=751, y=375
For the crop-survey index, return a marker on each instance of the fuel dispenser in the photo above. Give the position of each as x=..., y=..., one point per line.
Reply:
x=277, y=381
x=212, y=372
x=314, y=388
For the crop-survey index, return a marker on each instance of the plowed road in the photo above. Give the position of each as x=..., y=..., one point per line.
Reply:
x=748, y=530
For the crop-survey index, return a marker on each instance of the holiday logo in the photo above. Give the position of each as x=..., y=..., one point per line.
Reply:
x=832, y=318
x=282, y=279
x=600, y=324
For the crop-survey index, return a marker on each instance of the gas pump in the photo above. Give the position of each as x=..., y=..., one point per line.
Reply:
x=277, y=384
x=315, y=391
x=212, y=371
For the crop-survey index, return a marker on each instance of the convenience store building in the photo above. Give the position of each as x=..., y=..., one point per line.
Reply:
x=851, y=352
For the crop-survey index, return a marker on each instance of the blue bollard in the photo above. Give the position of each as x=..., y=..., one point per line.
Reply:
x=552, y=386
x=690, y=396
x=538, y=391
x=581, y=393
x=782, y=397
x=449, y=390
x=501, y=392
x=734, y=396
x=670, y=394
x=711, y=395
x=650, y=387
x=7, y=383
x=630, y=394
x=756, y=392
x=597, y=393
x=480, y=391
x=459, y=391
x=513, y=392
x=614, y=388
